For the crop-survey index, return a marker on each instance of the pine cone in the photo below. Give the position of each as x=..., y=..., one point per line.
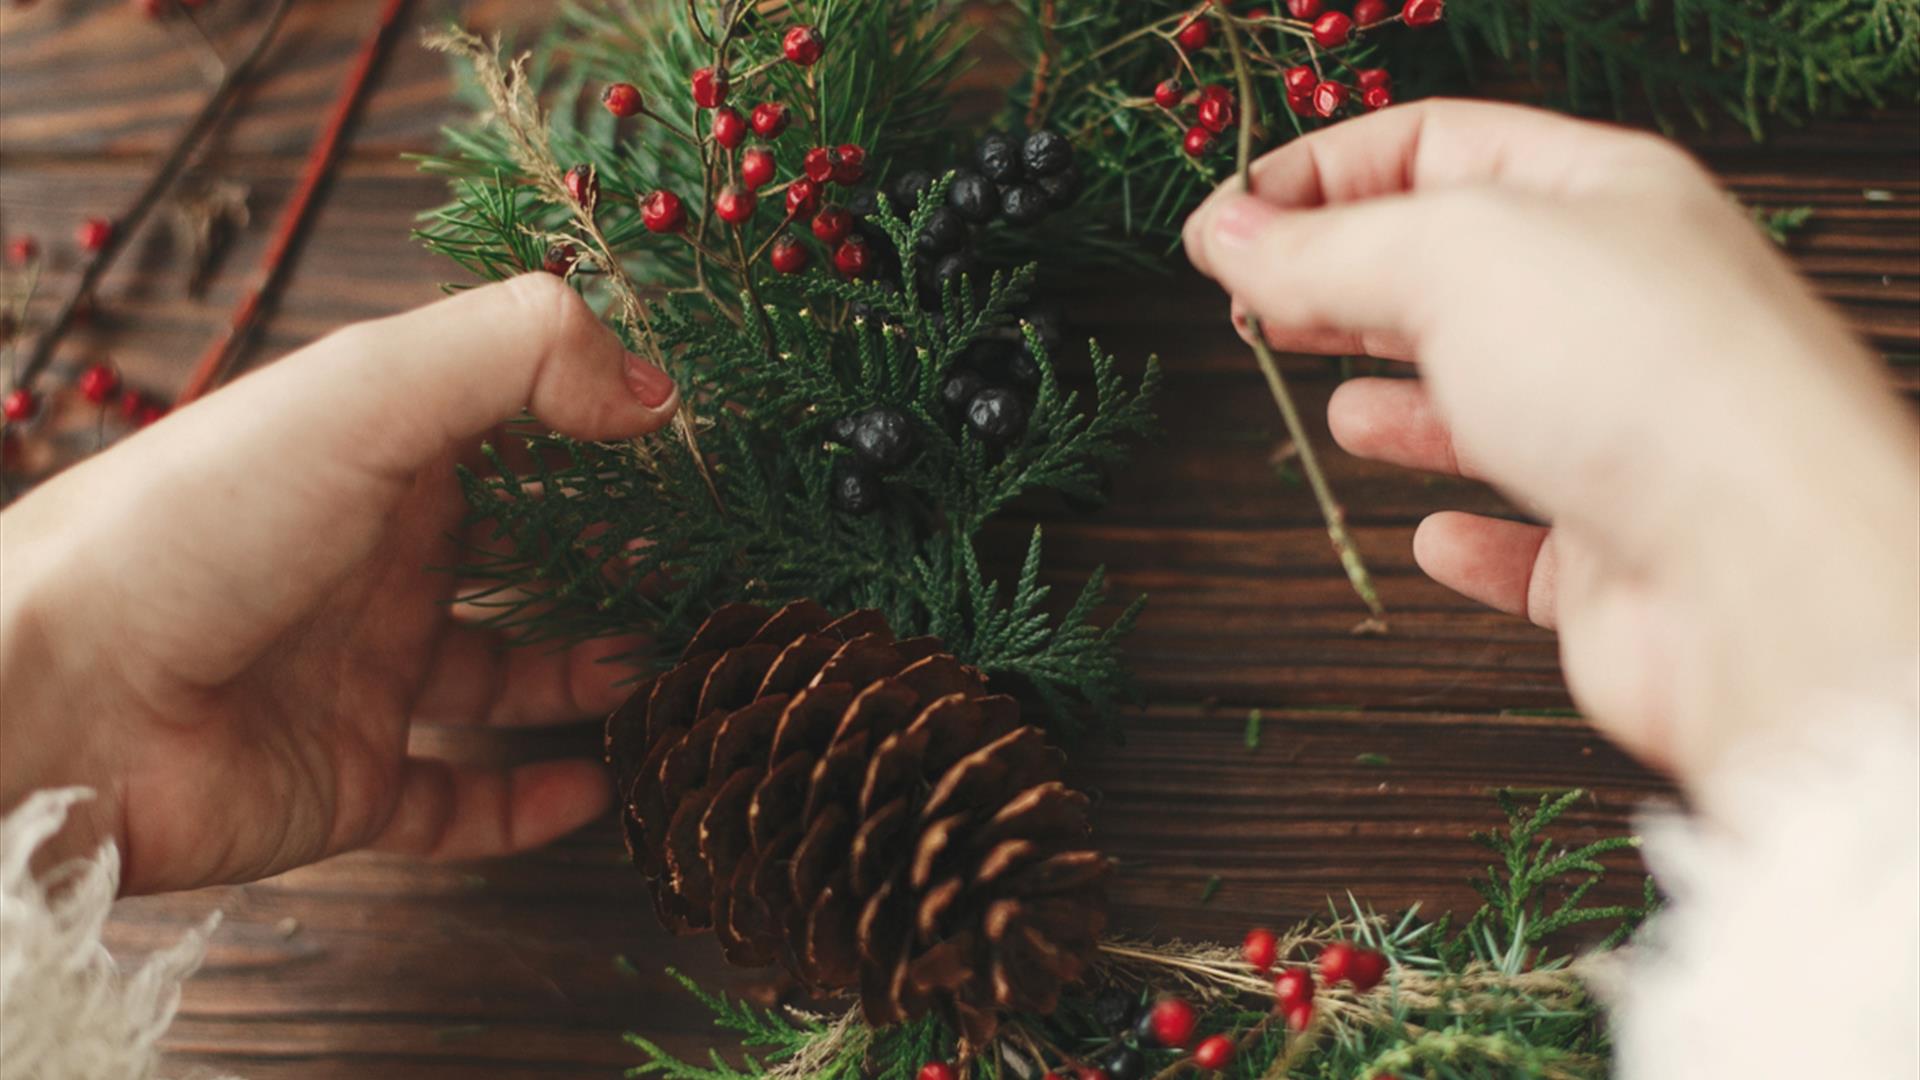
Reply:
x=859, y=810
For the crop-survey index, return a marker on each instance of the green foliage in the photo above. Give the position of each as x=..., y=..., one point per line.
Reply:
x=1493, y=1000
x=1781, y=224
x=583, y=540
x=886, y=86
x=1753, y=61
x=597, y=525
x=1744, y=59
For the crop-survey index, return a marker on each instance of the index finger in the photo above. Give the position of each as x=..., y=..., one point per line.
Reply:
x=1439, y=144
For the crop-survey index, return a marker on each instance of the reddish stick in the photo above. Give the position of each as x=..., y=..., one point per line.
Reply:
x=157, y=185
x=274, y=264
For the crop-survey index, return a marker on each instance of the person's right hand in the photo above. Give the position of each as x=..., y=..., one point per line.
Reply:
x=1601, y=333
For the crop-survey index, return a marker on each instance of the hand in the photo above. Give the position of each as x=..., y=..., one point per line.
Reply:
x=226, y=624
x=1603, y=335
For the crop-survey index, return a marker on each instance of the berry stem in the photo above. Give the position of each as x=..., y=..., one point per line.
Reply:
x=158, y=184
x=274, y=264
x=1043, y=67
x=1336, y=518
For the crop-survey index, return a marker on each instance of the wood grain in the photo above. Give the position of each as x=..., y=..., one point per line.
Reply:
x=533, y=967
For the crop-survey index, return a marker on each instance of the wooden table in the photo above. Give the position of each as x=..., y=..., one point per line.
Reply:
x=1377, y=754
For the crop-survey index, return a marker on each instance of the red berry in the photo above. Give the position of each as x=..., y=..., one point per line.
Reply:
x=1336, y=962
x=729, y=127
x=1217, y=114
x=1300, y=80
x=663, y=212
x=1367, y=970
x=1299, y=1016
x=19, y=405
x=1304, y=9
x=803, y=197
x=853, y=258
x=852, y=166
x=1301, y=104
x=1198, y=141
x=803, y=46
x=150, y=411
x=1368, y=78
x=23, y=250
x=559, y=260
x=1214, y=1052
x=832, y=225
x=622, y=99
x=1196, y=35
x=1332, y=29
x=820, y=164
x=94, y=233
x=582, y=185
x=1329, y=97
x=756, y=167
x=770, y=118
x=1088, y=1072
x=1173, y=1022
x=938, y=1070
x=154, y=9
x=1369, y=12
x=1423, y=12
x=98, y=383
x=1216, y=92
x=1261, y=948
x=1377, y=98
x=789, y=255
x=131, y=404
x=735, y=204
x=1294, y=986
x=710, y=88
x=1169, y=94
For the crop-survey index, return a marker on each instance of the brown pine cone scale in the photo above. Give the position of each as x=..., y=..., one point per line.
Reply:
x=861, y=811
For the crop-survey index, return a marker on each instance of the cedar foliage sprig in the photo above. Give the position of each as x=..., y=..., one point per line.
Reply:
x=1494, y=998
x=584, y=540
x=1754, y=62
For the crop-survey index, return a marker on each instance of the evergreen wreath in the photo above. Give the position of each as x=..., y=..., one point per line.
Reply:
x=765, y=199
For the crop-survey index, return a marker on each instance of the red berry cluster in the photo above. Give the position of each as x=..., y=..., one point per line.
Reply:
x=100, y=382
x=1173, y=1023
x=751, y=171
x=1312, y=90
x=1293, y=987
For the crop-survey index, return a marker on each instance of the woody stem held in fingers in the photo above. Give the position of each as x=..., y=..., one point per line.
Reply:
x=1732, y=497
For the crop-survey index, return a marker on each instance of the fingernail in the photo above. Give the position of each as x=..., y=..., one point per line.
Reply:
x=649, y=385
x=1241, y=219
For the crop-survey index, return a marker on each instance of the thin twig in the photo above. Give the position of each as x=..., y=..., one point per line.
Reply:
x=163, y=178
x=213, y=365
x=1336, y=518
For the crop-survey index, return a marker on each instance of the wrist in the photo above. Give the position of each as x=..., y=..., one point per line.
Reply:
x=49, y=734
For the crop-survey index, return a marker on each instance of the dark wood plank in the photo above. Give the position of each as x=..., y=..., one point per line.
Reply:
x=367, y=965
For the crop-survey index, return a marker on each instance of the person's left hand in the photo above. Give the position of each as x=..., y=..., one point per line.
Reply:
x=226, y=624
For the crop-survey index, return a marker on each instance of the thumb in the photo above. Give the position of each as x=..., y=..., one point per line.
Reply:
x=396, y=394
x=264, y=493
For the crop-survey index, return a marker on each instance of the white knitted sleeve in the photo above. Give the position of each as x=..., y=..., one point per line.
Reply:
x=67, y=1010
x=1791, y=947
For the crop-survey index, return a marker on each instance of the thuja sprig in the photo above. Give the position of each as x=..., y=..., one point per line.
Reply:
x=591, y=539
